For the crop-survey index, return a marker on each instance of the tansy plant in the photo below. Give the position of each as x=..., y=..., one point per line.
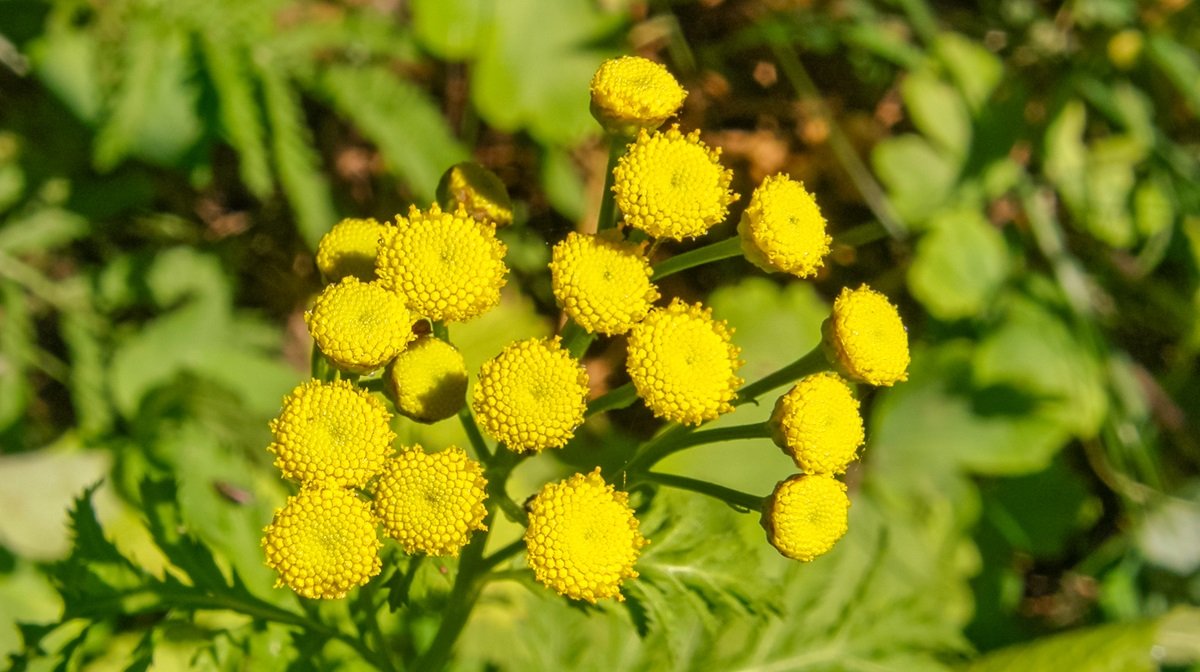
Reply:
x=382, y=347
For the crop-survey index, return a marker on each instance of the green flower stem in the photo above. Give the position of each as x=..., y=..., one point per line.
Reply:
x=862, y=234
x=366, y=604
x=608, y=204
x=722, y=249
x=674, y=441
x=318, y=366
x=467, y=585
x=503, y=554
x=735, y=498
x=441, y=330
x=474, y=436
x=811, y=363
x=620, y=397
x=576, y=339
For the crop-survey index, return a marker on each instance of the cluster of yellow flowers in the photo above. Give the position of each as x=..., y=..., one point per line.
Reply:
x=392, y=284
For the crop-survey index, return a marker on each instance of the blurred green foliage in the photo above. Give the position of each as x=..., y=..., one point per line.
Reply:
x=166, y=168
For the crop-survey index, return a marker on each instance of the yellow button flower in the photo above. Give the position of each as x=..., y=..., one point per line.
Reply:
x=428, y=380
x=671, y=185
x=817, y=422
x=359, y=326
x=431, y=503
x=349, y=248
x=683, y=363
x=448, y=266
x=582, y=539
x=866, y=338
x=630, y=93
x=602, y=283
x=331, y=432
x=782, y=229
x=806, y=515
x=322, y=543
x=531, y=396
x=479, y=190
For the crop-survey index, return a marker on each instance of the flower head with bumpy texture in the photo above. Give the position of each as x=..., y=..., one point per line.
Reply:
x=331, y=432
x=782, y=229
x=602, y=283
x=322, y=543
x=630, y=93
x=431, y=503
x=818, y=424
x=349, y=248
x=359, y=326
x=428, y=380
x=531, y=396
x=582, y=540
x=866, y=337
x=479, y=190
x=806, y=515
x=684, y=364
x=672, y=185
x=448, y=266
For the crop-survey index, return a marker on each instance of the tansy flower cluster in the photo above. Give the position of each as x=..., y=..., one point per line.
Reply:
x=381, y=350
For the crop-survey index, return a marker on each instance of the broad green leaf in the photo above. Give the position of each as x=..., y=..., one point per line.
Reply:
x=1153, y=207
x=65, y=60
x=42, y=230
x=153, y=116
x=241, y=114
x=1066, y=155
x=452, y=29
x=938, y=111
x=16, y=355
x=1038, y=513
x=960, y=264
x=296, y=161
x=1181, y=66
x=918, y=177
x=534, y=66
x=37, y=488
x=90, y=400
x=564, y=186
x=409, y=130
x=1166, y=535
x=12, y=182
x=974, y=69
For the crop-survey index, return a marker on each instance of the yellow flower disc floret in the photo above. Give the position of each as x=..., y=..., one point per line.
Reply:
x=672, y=185
x=359, y=326
x=349, y=248
x=448, y=266
x=817, y=422
x=602, y=283
x=431, y=503
x=583, y=539
x=782, y=229
x=531, y=396
x=331, y=432
x=428, y=380
x=630, y=93
x=806, y=515
x=683, y=363
x=323, y=542
x=867, y=338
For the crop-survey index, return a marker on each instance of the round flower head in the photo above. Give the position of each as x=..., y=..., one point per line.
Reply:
x=349, y=248
x=447, y=265
x=866, y=338
x=683, y=363
x=331, y=432
x=428, y=380
x=431, y=503
x=806, y=515
x=782, y=229
x=322, y=543
x=630, y=93
x=479, y=190
x=582, y=539
x=602, y=283
x=818, y=424
x=672, y=185
x=531, y=396
x=359, y=326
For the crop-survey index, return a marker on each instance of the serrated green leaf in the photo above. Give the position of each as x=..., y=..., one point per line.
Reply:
x=42, y=230
x=400, y=119
x=65, y=60
x=153, y=116
x=296, y=162
x=12, y=184
x=1066, y=155
x=918, y=177
x=1153, y=208
x=938, y=111
x=1117, y=647
x=1108, y=217
x=16, y=354
x=1180, y=64
x=975, y=70
x=241, y=114
x=960, y=264
x=169, y=532
x=88, y=376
